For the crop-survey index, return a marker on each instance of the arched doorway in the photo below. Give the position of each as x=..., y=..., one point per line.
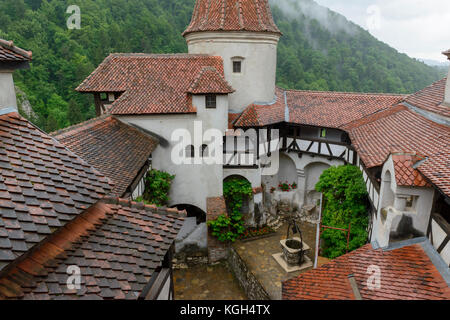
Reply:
x=192, y=211
x=287, y=172
x=246, y=208
x=313, y=171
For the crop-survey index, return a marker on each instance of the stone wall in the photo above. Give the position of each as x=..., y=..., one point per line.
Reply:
x=217, y=250
x=191, y=244
x=247, y=280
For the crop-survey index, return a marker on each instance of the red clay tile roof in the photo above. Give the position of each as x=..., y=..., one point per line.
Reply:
x=257, y=115
x=317, y=108
x=152, y=84
x=232, y=15
x=335, y=109
x=210, y=81
x=431, y=98
x=116, y=245
x=11, y=53
x=406, y=130
x=43, y=185
x=405, y=173
x=116, y=149
x=232, y=117
x=378, y=125
x=406, y=274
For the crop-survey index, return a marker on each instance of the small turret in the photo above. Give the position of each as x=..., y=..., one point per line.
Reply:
x=245, y=35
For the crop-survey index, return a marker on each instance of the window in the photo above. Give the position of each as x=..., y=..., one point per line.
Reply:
x=411, y=203
x=190, y=151
x=237, y=66
x=211, y=101
x=204, y=151
x=323, y=133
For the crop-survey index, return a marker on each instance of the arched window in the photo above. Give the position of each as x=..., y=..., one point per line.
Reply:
x=204, y=151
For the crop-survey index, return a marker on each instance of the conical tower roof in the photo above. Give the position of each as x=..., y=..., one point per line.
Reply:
x=232, y=15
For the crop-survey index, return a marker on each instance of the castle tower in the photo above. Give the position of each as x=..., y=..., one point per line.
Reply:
x=244, y=34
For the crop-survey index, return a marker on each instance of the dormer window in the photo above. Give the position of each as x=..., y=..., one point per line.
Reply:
x=211, y=101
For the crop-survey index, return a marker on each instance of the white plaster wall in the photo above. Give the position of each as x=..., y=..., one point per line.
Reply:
x=306, y=166
x=256, y=82
x=438, y=237
x=242, y=158
x=193, y=184
x=337, y=150
x=287, y=171
x=392, y=202
x=7, y=91
x=192, y=234
x=164, y=294
x=252, y=175
x=139, y=190
x=302, y=165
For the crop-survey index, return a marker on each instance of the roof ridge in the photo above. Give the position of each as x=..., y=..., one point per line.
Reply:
x=88, y=123
x=350, y=93
x=158, y=55
x=201, y=74
x=241, y=14
x=429, y=86
x=379, y=114
x=141, y=206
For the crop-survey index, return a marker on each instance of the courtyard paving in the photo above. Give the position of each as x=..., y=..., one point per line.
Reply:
x=204, y=282
x=257, y=255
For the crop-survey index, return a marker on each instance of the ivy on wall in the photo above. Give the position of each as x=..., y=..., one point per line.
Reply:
x=345, y=201
x=228, y=228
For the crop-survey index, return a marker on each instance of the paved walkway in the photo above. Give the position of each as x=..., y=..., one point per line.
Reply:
x=207, y=283
x=257, y=255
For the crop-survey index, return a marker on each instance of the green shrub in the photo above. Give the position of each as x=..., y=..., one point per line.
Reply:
x=229, y=227
x=345, y=202
x=157, y=187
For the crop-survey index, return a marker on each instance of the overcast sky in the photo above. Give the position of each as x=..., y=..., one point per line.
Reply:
x=419, y=28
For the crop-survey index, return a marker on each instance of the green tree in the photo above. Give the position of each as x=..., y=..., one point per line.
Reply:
x=311, y=55
x=157, y=187
x=345, y=201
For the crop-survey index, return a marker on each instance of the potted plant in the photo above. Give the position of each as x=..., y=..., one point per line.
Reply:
x=284, y=187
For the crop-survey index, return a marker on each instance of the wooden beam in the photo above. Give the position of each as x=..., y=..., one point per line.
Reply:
x=310, y=146
x=329, y=149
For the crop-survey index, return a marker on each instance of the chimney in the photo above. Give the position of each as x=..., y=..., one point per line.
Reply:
x=447, y=86
x=11, y=59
